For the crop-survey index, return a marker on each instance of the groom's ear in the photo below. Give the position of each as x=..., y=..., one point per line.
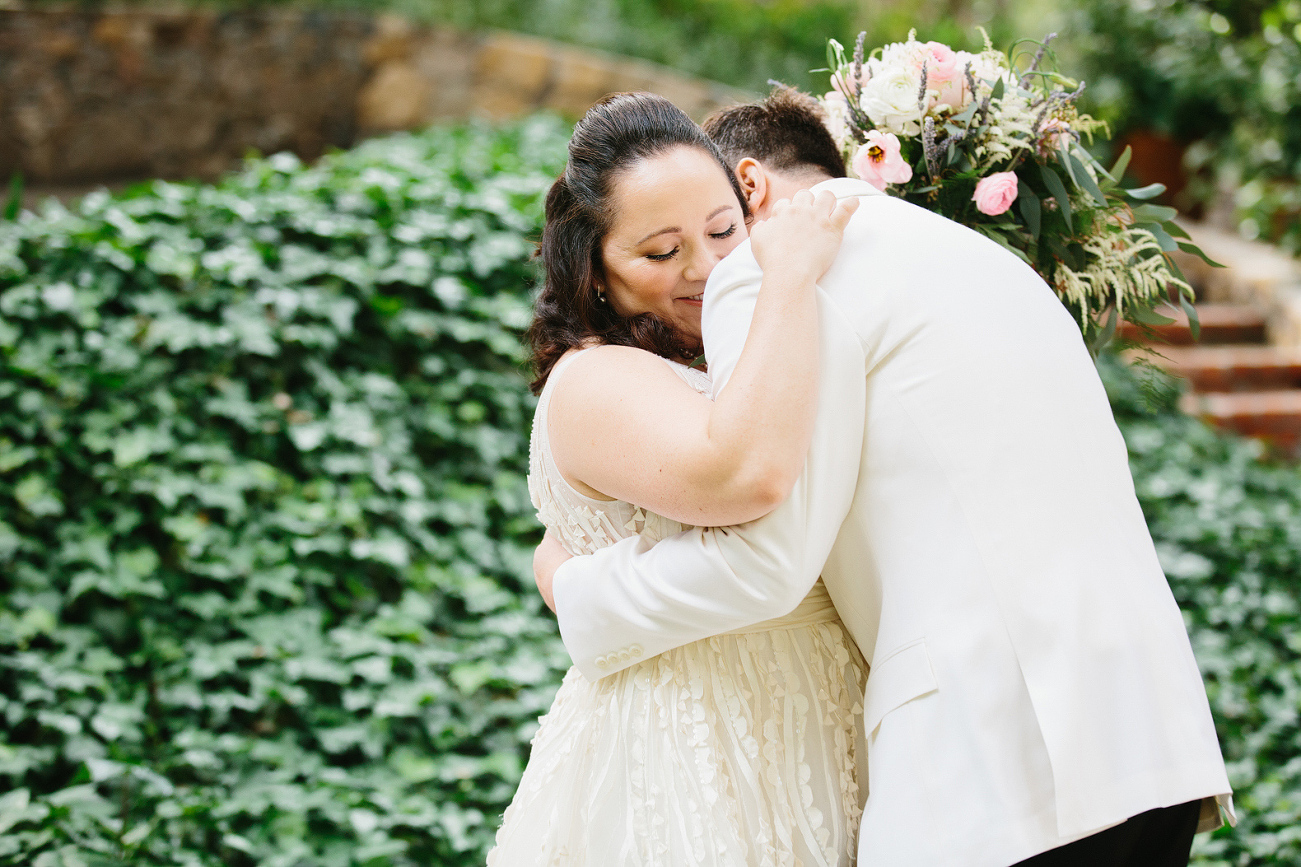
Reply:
x=753, y=181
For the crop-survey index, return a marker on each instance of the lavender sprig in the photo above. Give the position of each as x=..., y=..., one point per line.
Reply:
x=861, y=122
x=929, y=149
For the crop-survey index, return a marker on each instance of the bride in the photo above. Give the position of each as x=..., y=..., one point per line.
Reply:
x=741, y=749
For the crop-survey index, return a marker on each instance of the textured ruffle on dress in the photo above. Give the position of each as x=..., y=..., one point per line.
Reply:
x=741, y=750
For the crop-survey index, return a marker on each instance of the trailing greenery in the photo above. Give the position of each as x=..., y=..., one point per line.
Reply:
x=1223, y=76
x=264, y=538
x=263, y=523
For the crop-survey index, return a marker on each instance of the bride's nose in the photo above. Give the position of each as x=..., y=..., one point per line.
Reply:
x=701, y=264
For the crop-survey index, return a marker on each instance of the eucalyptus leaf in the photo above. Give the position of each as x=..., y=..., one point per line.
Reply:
x=1028, y=203
x=1151, y=191
x=1199, y=253
x=1084, y=179
x=1055, y=186
x=1153, y=213
x=1148, y=317
x=1190, y=310
x=1168, y=244
x=1118, y=168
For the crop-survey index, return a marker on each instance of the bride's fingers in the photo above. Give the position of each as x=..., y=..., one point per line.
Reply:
x=802, y=197
x=844, y=209
x=824, y=203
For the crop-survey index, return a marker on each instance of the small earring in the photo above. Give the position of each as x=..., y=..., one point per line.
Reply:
x=600, y=297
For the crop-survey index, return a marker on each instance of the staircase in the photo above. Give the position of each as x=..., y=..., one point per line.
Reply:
x=1237, y=380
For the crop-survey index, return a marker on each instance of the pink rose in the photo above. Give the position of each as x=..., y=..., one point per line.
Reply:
x=879, y=162
x=996, y=193
x=941, y=63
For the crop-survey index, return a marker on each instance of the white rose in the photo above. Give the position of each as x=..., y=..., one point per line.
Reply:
x=890, y=100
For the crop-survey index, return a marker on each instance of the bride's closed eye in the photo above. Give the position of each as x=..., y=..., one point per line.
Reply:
x=718, y=236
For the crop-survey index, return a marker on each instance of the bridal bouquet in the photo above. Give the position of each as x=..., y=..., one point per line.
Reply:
x=997, y=146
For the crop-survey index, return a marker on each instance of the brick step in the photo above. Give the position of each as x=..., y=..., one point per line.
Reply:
x=1220, y=324
x=1232, y=368
x=1274, y=416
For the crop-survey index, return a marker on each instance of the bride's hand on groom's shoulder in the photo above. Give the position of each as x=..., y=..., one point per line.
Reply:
x=802, y=236
x=548, y=557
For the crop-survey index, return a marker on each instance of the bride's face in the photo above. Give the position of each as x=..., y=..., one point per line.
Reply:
x=675, y=216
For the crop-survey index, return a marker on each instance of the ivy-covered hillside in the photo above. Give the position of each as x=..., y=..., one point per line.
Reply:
x=264, y=537
x=265, y=542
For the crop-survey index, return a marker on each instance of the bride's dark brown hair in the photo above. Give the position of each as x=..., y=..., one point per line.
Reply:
x=616, y=133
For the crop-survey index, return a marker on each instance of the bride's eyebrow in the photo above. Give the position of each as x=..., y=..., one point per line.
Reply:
x=669, y=230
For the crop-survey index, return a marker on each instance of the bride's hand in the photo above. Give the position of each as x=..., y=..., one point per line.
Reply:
x=801, y=238
x=549, y=557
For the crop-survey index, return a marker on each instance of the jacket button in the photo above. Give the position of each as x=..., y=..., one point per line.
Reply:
x=624, y=655
x=635, y=650
x=602, y=662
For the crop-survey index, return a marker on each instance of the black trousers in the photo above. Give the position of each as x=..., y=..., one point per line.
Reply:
x=1157, y=838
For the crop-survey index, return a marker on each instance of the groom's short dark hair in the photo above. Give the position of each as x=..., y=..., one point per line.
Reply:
x=785, y=132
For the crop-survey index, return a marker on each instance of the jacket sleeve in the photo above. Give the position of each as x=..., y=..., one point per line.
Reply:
x=633, y=600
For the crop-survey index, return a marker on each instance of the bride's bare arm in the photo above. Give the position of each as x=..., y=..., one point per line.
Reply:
x=624, y=426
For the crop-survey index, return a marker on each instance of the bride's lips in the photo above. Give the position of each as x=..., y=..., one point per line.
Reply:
x=694, y=299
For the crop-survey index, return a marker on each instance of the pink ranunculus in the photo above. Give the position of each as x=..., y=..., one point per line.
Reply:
x=879, y=162
x=996, y=193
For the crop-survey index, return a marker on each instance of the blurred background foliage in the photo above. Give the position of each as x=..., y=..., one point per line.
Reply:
x=1215, y=86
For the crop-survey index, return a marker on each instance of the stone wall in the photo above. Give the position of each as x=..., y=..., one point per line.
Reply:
x=96, y=95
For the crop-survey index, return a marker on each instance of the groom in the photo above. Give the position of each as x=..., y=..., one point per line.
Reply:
x=1033, y=697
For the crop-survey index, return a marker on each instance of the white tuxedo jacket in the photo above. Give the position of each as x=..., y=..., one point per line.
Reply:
x=968, y=502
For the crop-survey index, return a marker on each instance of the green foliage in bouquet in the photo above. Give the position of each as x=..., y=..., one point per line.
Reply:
x=265, y=542
x=997, y=145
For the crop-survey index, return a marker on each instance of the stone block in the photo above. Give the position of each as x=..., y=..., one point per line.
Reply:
x=579, y=80
x=396, y=97
x=446, y=59
x=511, y=75
x=392, y=40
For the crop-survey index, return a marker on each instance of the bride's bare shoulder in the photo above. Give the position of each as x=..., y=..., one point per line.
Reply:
x=608, y=362
x=607, y=374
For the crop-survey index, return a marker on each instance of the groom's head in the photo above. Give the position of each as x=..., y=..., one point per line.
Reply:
x=776, y=147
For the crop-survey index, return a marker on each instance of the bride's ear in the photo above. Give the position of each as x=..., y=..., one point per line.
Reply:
x=754, y=183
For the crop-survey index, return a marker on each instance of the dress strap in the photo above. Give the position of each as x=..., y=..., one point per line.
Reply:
x=541, y=440
x=559, y=367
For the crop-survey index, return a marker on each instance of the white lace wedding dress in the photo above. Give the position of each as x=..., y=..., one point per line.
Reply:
x=741, y=750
